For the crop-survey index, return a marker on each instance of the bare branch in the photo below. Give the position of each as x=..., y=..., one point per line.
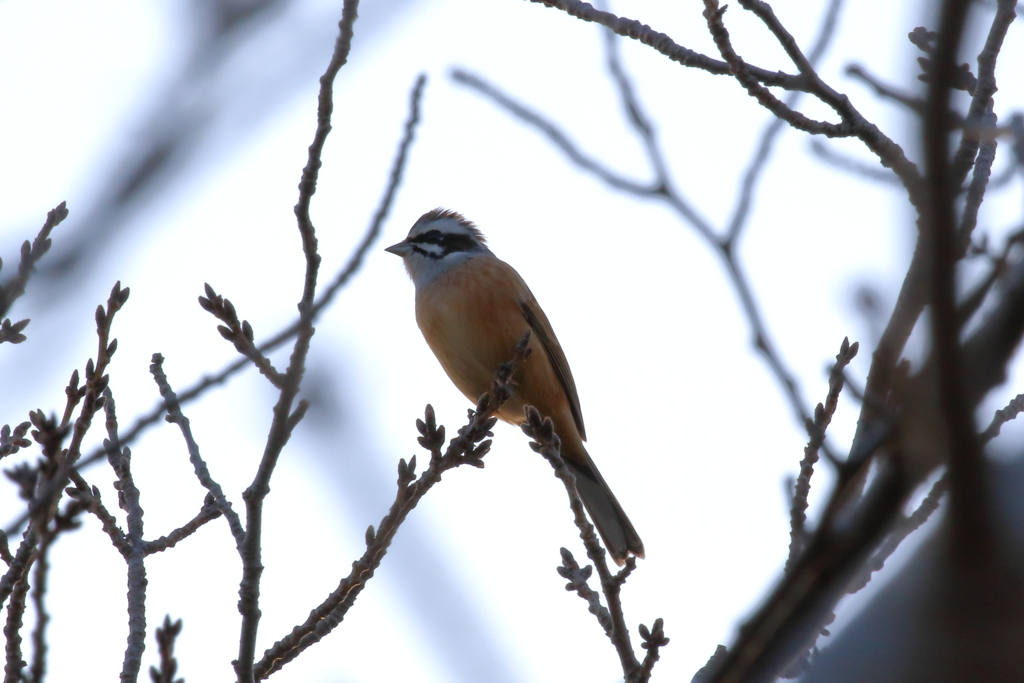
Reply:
x=976, y=190
x=166, y=635
x=546, y=442
x=851, y=165
x=791, y=617
x=906, y=526
x=128, y=499
x=822, y=418
x=343, y=277
x=1011, y=411
x=630, y=28
x=577, y=577
x=15, y=287
x=281, y=425
x=175, y=416
x=713, y=15
x=89, y=497
x=915, y=104
x=239, y=333
x=971, y=528
x=555, y=135
x=208, y=513
x=467, y=448
x=985, y=89
x=654, y=640
x=12, y=632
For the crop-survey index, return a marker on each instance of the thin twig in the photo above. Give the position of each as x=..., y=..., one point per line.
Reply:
x=89, y=497
x=40, y=576
x=851, y=165
x=654, y=639
x=547, y=443
x=984, y=90
x=239, y=333
x=12, y=632
x=166, y=636
x=208, y=513
x=630, y=28
x=1011, y=411
x=175, y=416
x=128, y=498
x=18, y=566
x=713, y=14
x=663, y=188
x=15, y=287
x=976, y=190
x=343, y=277
x=822, y=418
x=283, y=420
x=578, y=577
x=903, y=528
x=915, y=104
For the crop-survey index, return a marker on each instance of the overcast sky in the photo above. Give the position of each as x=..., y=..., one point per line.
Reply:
x=684, y=419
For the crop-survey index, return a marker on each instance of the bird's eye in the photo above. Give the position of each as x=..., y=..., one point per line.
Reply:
x=430, y=237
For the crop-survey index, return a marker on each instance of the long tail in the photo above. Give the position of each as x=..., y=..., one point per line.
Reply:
x=611, y=521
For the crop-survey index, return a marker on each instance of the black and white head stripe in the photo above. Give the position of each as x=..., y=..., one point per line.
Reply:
x=441, y=232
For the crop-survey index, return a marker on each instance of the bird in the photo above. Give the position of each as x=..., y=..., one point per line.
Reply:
x=473, y=308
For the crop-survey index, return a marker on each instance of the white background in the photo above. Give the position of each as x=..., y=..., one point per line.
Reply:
x=684, y=419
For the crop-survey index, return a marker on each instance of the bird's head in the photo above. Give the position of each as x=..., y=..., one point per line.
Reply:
x=439, y=240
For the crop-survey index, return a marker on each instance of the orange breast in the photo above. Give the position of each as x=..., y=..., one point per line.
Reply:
x=471, y=317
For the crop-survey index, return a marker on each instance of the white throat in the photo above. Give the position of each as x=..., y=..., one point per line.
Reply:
x=423, y=269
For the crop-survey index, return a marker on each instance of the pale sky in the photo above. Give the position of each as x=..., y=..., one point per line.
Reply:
x=684, y=419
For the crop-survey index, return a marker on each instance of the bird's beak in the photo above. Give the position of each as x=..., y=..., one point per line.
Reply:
x=400, y=249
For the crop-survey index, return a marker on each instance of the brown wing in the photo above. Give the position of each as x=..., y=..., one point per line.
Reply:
x=542, y=331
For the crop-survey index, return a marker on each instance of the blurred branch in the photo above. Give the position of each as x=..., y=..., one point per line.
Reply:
x=915, y=104
x=1011, y=411
x=758, y=163
x=904, y=527
x=166, y=635
x=971, y=528
x=343, y=277
x=464, y=449
x=854, y=166
x=663, y=187
x=166, y=136
x=914, y=291
x=18, y=567
x=790, y=619
x=15, y=287
x=977, y=187
x=981, y=101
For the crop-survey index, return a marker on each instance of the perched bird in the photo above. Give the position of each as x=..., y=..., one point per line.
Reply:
x=473, y=308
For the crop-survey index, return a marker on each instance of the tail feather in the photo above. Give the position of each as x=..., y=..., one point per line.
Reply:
x=611, y=521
